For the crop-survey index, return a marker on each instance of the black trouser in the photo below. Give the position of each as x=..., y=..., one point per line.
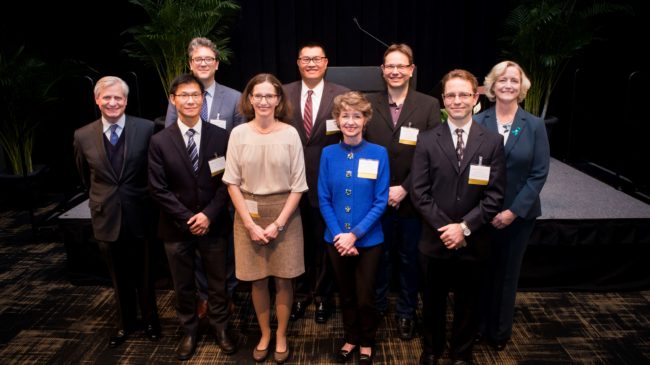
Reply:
x=356, y=276
x=128, y=264
x=181, y=262
x=463, y=278
x=317, y=282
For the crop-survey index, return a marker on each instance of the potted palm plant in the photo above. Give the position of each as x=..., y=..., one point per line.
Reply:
x=544, y=35
x=162, y=43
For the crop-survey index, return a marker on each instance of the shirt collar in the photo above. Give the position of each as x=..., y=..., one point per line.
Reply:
x=318, y=89
x=120, y=122
x=465, y=128
x=184, y=128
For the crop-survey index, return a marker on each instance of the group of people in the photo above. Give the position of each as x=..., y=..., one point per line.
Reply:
x=315, y=187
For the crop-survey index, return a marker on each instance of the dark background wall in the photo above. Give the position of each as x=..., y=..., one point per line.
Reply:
x=599, y=106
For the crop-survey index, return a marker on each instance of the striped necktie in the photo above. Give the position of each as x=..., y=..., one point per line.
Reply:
x=192, y=151
x=307, y=117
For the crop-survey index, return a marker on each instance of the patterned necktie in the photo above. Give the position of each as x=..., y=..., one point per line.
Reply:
x=204, y=108
x=307, y=116
x=459, y=145
x=114, y=136
x=192, y=151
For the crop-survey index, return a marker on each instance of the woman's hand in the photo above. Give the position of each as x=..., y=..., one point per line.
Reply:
x=257, y=234
x=503, y=219
x=344, y=243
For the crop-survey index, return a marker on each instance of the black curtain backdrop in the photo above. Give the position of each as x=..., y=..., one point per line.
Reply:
x=595, y=89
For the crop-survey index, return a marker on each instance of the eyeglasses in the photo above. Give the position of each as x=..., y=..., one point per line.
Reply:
x=185, y=97
x=200, y=60
x=269, y=97
x=399, y=68
x=461, y=96
x=317, y=60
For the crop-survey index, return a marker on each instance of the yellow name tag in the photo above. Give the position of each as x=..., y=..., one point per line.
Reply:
x=408, y=135
x=368, y=169
x=221, y=123
x=217, y=165
x=330, y=127
x=479, y=175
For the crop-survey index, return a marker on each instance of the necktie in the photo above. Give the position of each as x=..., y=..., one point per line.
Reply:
x=192, y=151
x=114, y=136
x=204, y=108
x=459, y=145
x=307, y=116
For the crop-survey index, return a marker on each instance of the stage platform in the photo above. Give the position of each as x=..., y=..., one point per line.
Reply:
x=590, y=237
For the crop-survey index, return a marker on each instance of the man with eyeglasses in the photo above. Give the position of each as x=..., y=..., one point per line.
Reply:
x=457, y=185
x=312, y=99
x=186, y=163
x=219, y=108
x=400, y=113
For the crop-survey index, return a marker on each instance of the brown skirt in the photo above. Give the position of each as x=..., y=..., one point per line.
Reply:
x=283, y=257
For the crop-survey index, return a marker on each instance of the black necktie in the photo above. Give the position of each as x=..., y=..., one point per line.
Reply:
x=459, y=145
x=192, y=151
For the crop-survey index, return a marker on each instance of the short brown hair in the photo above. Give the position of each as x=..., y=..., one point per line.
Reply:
x=282, y=110
x=460, y=74
x=354, y=100
x=402, y=48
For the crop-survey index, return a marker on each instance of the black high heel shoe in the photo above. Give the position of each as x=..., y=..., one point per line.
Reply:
x=365, y=359
x=343, y=356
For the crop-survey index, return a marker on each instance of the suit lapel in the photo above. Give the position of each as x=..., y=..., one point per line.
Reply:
x=130, y=134
x=447, y=146
x=101, y=149
x=490, y=121
x=179, y=143
x=217, y=100
x=326, y=101
x=518, y=126
x=205, y=142
x=474, y=141
x=384, y=111
x=409, y=107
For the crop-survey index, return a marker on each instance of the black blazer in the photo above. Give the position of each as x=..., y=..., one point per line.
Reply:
x=179, y=192
x=117, y=200
x=441, y=193
x=313, y=146
x=419, y=111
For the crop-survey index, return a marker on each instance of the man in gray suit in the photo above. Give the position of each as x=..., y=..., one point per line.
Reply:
x=312, y=99
x=111, y=157
x=219, y=108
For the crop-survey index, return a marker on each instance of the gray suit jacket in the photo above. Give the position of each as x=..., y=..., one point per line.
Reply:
x=116, y=199
x=224, y=106
x=313, y=146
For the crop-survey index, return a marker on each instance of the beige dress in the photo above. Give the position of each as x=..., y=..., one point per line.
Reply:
x=267, y=167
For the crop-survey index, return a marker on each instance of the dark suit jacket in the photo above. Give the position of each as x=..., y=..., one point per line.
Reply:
x=179, y=192
x=224, y=106
x=419, y=111
x=527, y=161
x=442, y=195
x=319, y=139
x=117, y=200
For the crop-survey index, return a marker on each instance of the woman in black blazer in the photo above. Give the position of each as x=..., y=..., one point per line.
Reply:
x=527, y=162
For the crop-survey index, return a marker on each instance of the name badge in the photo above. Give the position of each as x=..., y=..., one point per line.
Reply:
x=408, y=135
x=479, y=175
x=221, y=123
x=368, y=169
x=330, y=127
x=217, y=165
x=251, y=205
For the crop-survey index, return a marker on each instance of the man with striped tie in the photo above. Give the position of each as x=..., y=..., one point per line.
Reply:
x=186, y=163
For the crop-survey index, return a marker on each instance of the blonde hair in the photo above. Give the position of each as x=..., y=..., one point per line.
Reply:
x=498, y=70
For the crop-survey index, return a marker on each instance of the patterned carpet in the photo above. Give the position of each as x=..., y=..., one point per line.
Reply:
x=47, y=320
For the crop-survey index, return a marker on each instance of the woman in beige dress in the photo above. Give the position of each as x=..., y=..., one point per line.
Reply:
x=265, y=173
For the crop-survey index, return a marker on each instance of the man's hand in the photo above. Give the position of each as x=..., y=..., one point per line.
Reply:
x=452, y=236
x=199, y=224
x=395, y=195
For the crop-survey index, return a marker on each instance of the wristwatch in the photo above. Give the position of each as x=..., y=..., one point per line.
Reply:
x=466, y=230
x=280, y=228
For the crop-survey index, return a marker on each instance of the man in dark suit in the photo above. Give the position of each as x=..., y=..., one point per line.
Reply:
x=111, y=157
x=458, y=182
x=219, y=108
x=400, y=113
x=312, y=99
x=186, y=162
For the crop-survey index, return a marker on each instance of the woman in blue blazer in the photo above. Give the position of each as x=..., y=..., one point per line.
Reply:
x=353, y=184
x=527, y=163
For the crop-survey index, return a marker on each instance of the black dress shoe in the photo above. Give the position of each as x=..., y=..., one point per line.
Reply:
x=118, y=339
x=429, y=359
x=225, y=343
x=322, y=313
x=478, y=338
x=499, y=345
x=365, y=359
x=152, y=332
x=186, y=347
x=406, y=328
x=343, y=356
x=298, y=310
x=460, y=362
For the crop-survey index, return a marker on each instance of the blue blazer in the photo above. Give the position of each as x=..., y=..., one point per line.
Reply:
x=224, y=106
x=527, y=161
